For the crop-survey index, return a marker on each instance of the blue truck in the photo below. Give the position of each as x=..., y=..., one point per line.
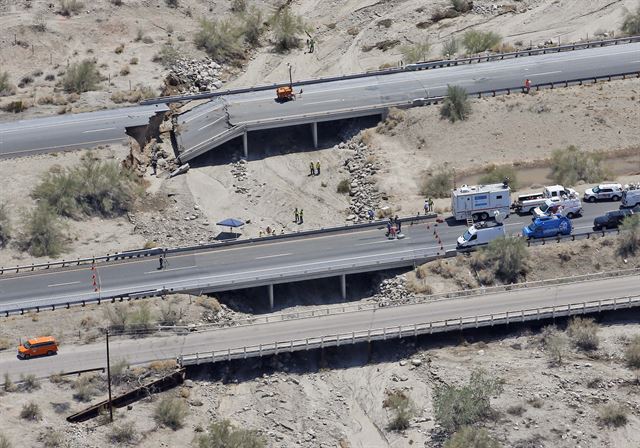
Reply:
x=548, y=226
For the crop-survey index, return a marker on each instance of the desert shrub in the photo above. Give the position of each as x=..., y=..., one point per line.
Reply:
x=119, y=49
x=494, y=174
x=631, y=24
x=535, y=402
x=119, y=371
x=450, y=47
x=629, y=239
x=437, y=184
x=583, y=333
x=8, y=385
x=220, y=40
x=43, y=234
x=252, y=26
x=478, y=41
x=117, y=2
x=139, y=93
x=416, y=52
x=555, y=345
x=5, y=344
x=402, y=408
x=84, y=389
x=5, y=226
x=123, y=433
x=70, y=7
x=16, y=106
x=343, y=186
x=455, y=407
x=384, y=22
x=570, y=165
x=4, y=442
x=631, y=353
x=147, y=40
x=446, y=13
x=140, y=318
x=456, y=105
x=506, y=257
x=172, y=3
x=516, y=410
x=238, y=5
x=91, y=188
x=118, y=316
x=164, y=366
x=51, y=438
x=81, y=77
x=6, y=88
x=461, y=6
x=470, y=437
x=170, y=315
x=31, y=411
x=419, y=284
x=124, y=71
x=222, y=434
x=29, y=383
x=286, y=28
x=170, y=412
x=167, y=56
x=613, y=415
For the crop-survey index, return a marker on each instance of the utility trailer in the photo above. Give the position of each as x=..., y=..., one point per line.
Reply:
x=469, y=203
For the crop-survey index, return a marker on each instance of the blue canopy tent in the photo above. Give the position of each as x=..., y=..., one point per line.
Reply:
x=232, y=223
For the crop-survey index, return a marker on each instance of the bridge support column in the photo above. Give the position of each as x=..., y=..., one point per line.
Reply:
x=343, y=286
x=384, y=114
x=270, y=287
x=314, y=133
x=245, y=144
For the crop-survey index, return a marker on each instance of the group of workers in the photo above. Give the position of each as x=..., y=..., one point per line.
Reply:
x=298, y=216
x=314, y=169
x=394, y=227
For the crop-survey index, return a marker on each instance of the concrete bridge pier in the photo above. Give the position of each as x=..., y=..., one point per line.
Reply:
x=343, y=286
x=314, y=133
x=270, y=288
x=245, y=144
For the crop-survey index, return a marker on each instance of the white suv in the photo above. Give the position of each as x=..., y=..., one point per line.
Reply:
x=603, y=191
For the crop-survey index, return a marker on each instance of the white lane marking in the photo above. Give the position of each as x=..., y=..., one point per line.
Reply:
x=207, y=107
x=62, y=284
x=273, y=256
x=386, y=240
x=546, y=73
x=326, y=101
x=22, y=128
x=77, y=145
x=98, y=130
x=211, y=124
x=167, y=270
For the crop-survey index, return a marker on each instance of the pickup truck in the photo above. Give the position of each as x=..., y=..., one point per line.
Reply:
x=566, y=206
x=526, y=203
x=548, y=226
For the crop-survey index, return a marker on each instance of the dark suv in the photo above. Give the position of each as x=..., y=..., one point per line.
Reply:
x=611, y=219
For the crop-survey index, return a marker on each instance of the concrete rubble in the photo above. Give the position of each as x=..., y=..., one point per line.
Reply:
x=362, y=167
x=196, y=75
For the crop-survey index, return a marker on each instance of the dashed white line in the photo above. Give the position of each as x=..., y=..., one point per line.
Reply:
x=273, y=256
x=168, y=270
x=212, y=123
x=63, y=284
x=97, y=130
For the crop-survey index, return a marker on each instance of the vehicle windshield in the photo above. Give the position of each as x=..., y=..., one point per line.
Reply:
x=595, y=189
x=27, y=345
x=544, y=207
x=467, y=235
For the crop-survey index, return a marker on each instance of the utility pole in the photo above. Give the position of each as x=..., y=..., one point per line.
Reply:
x=290, y=77
x=109, y=379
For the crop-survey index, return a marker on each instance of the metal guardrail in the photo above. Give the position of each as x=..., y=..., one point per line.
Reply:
x=411, y=257
x=384, y=333
x=410, y=67
x=158, y=250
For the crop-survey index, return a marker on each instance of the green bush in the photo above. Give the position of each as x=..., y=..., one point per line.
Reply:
x=44, y=234
x=84, y=389
x=123, y=433
x=462, y=6
x=437, y=184
x=495, y=174
x=91, y=188
x=470, y=437
x=570, y=165
x=169, y=315
x=416, y=52
x=455, y=407
x=170, y=412
x=220, y=39
x=450, y=47
x=286, y=28
x=81, y=77
x=629, y=239
x=613, y=415
x=556, y=347
x=632, y=353
x=70, y=7
x=252, y=26
x=167, y=56
x=140, y=318
x=29, y=383
x=403, y=410
x=31, y=411
x=118, y=317
x=6, y=88
x=119, y=370
x=507, y=258
x=456, y=105
x=223, y=434
x=478, y=41
x=631, y=24
x=5, y=226
x=8, y=385
x=583, y=333
x=51, y=438
x=16, y=106
x=343, y=186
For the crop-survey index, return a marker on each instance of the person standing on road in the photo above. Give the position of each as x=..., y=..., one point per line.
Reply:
x=161, y=262
x=318, y=168
x=301, y=216
x=296, y=215
x=311, y=169
x=371, y=214
x=430, y=204
x=527, y=85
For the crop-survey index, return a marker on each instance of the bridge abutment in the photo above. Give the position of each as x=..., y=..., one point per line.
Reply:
x=270, y=288
x=314, y=133
x=245, y=145
x=343, y=286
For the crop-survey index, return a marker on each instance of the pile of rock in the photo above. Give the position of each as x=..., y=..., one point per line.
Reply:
x=363, y=190
x=394, y=290
x=196, y=75
x=239, y=172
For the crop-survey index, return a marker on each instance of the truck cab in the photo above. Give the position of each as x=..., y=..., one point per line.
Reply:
x=548, y=226
x=566, y=206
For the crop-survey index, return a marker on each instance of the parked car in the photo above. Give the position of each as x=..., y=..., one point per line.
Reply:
x=631, y=197
x=45, y=345
x=566, y=206
x=601, y=192
x=548, y=226
x=611, y=219
x=480, y=233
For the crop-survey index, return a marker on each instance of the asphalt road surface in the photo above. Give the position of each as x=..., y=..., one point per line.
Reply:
x=203, y=123
x=52, y=134
x=143, y=350
x=262, y=263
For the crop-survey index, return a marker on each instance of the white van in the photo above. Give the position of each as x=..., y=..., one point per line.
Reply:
x=480, y=233
x=631, y=197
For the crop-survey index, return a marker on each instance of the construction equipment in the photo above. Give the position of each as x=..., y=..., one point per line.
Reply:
x=285, y=93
